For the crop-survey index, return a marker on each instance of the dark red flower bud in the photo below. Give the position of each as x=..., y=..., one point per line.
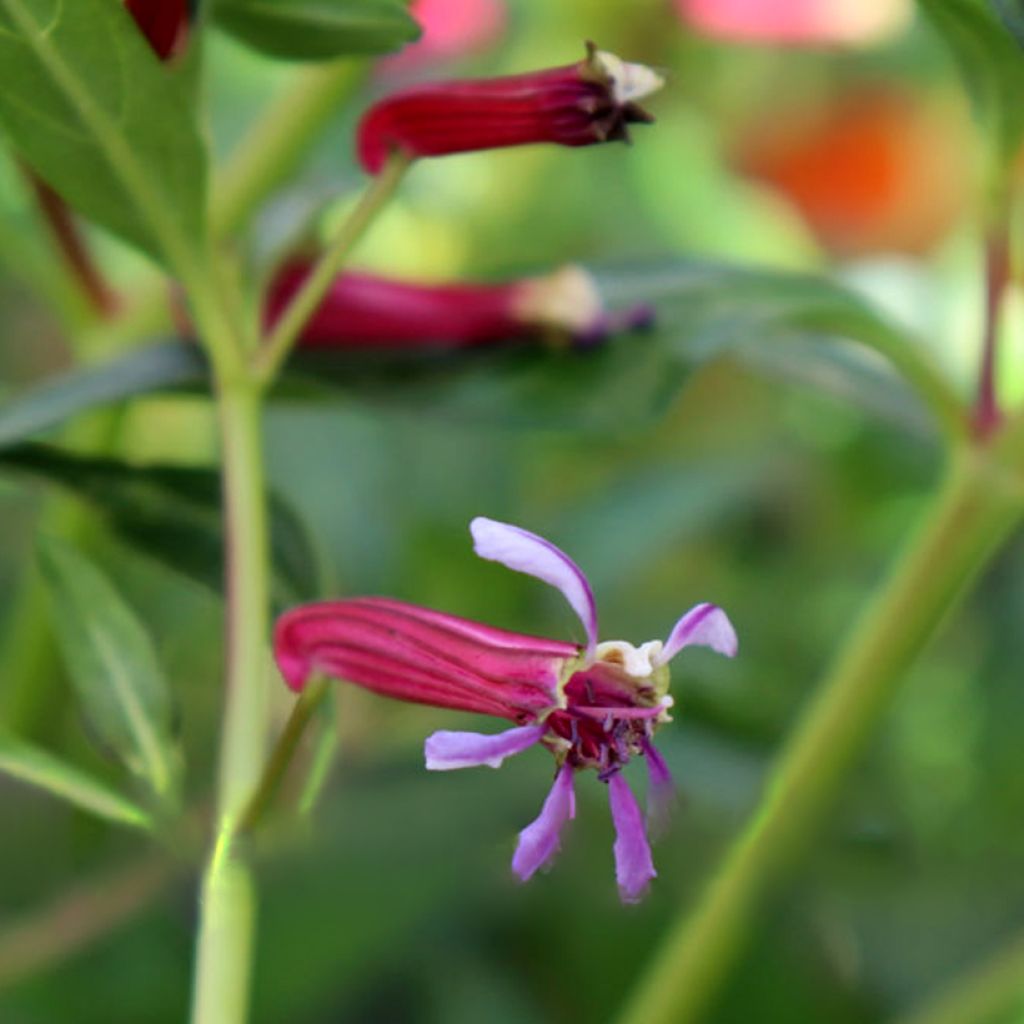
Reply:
x=577, y=105
x=366, y=311
x=163, y=22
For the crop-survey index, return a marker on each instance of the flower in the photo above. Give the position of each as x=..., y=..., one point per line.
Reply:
x=363, y=310
x=577, y=105
x=593, y=706
x=163, y=22
x=801, y=22
x=451, y=28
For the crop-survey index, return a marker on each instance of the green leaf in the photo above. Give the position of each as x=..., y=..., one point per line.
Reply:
x=1012, y=13
x=95, y=113
x=112, y=664
x=173, y=513
x=41, y=769
x=991, y=61
x=318, y=29
x=796, y=326
x=155, y=368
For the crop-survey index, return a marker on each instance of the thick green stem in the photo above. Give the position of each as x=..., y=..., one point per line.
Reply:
x=227, y=901
x=285, y=332
x=976, y=510
x=991, y=989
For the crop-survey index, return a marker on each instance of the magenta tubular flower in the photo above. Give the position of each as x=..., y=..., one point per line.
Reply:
x=593, y=706
x=368, y=311
x=577, y=105
x=164, y=23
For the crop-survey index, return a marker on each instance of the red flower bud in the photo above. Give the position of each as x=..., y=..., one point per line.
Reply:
x=577, y=105
x=366, y=311
x=163, y=22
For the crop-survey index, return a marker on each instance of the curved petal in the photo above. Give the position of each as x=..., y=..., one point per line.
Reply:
x=634, y=868
x=538, y=842
x=704, y=624
x=661, y=790
x=447, y=750
x=522, y=551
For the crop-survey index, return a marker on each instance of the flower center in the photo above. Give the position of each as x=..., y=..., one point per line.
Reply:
x=611, y=707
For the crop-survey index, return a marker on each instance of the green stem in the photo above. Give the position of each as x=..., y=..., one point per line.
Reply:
x=994, y=988
x=284, y=751
x=978, y=507
x=285, y=332
x=277, y=142
x=224, y=952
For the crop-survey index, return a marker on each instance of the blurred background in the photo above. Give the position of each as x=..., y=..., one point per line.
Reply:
x=778, y=489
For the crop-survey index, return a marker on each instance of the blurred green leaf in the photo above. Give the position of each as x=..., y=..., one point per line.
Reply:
x=41, y=769
x=173, y=513
x=111, y=661
x=95, y=113
x=991, y=62
x=318, y=29
x=703, y=311
x=154, y=368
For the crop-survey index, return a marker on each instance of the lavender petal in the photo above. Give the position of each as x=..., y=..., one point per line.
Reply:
x=661, y=791
x=634, y=868
x=525, y=552
x=447, y=750
x=539, y=841
x=704, y=624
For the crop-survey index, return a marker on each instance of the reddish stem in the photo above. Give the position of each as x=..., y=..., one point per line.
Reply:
x=987, y=415
x=72, y=246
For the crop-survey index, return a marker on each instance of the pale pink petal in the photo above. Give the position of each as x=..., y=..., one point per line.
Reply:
x=525, y=552
x=447, y=750
x=705, y=625
x=806, y=22
x=634, y=868
x=661, y=791
x=539, y=841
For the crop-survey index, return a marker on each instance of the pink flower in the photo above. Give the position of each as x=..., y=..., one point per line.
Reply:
x=806, y=22
x=577, y=105
x=593, y=706
x=367, y=311
x=451, y=28
x=163, y=22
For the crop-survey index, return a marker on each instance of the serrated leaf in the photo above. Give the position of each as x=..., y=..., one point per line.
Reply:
x=991, y=61
x=318, y=29
x=173, y=513
x=110, y=659
x=41, y=769
x=94, y=112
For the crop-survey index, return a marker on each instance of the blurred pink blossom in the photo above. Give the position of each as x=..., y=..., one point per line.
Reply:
x=806, y=22
x=451, y=28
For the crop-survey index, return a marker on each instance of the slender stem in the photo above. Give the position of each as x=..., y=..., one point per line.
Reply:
x=46, y=937
x=278, y=141
x=987, y=415
x=67, y=236
x=285, y=332
x=989, y=989
x=283, y=753
x=977, y=508
x=224, y=954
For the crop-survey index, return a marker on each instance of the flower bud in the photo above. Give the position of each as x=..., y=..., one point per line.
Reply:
x=577, y=105
x=163, y=22
x=363, y=310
